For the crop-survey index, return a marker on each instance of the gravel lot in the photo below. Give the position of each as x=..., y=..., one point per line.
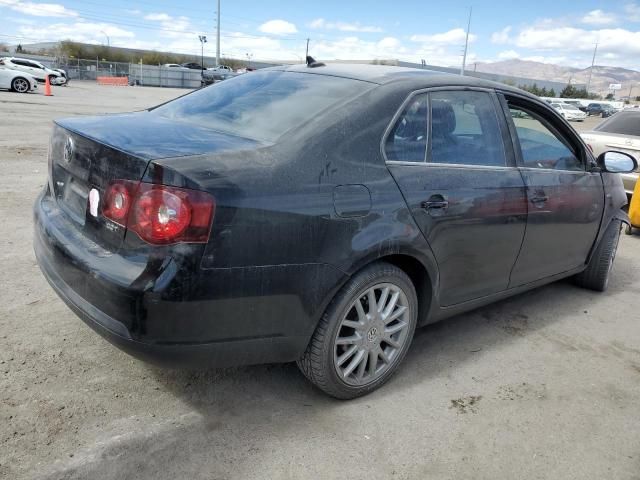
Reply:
x=545, y=385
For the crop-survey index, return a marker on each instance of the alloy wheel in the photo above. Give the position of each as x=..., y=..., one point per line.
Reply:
x=20, y=85
x=372, y=334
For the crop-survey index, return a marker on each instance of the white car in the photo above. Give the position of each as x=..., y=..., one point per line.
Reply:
x=38, y=70
x=20, y=82
x=621, y=133
x=569, y=112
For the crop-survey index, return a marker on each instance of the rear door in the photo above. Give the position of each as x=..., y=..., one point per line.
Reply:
x=565, y=200
x=450, y=155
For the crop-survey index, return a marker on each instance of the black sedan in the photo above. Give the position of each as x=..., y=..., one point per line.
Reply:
x=319, y=214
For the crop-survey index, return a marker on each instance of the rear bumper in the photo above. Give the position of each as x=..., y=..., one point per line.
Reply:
x=165, y=313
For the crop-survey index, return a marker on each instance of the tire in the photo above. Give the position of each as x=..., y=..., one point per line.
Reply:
x=597, y=274
x=20, y=85
x=343, y=328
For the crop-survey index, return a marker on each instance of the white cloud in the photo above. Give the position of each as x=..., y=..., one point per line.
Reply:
x=39, y=9
x=501, y=37
x=599, y=17
x=452, y=37
x=278, y=27
x=79, y=31
x=158, y=17
x=171, y=26
x=508, y=55
x=321, y=23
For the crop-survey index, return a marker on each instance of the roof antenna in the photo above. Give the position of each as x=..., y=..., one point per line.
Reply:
x=311, y=62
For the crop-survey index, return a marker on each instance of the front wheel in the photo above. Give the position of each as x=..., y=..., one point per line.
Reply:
x=364, y=334
x=597, y=274
x=20, y=85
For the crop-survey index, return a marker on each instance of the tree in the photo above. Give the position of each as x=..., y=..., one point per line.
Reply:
x=610, y=97
x=552, y=93
x=568, y=92
x=19, y=48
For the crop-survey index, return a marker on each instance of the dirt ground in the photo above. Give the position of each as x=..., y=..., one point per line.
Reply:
x=543, y=386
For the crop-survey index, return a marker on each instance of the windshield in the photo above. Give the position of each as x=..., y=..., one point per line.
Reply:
x=624, y=123
x=262, y=105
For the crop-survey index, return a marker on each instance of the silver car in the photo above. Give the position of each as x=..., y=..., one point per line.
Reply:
x=621, y=133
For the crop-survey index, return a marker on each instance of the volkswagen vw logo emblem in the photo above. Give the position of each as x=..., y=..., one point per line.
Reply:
x=372, y=334
x=67, y=155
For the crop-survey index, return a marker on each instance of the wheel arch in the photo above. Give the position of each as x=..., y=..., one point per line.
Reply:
x=20, y=77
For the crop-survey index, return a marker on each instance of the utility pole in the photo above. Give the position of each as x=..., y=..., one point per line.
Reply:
x=307, y=51
x=466, y=43
x=593, y=61
x=218, y=38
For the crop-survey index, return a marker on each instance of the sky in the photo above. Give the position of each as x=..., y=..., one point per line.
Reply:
x=560, y=32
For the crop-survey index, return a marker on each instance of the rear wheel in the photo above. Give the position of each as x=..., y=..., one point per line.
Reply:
x=20, y=85
x=365, y=333
x=597, y=274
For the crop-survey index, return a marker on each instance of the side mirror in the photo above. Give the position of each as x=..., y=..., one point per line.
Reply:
x=617, y=162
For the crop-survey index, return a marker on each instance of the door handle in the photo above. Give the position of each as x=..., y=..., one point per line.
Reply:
x=435, y=202
x=539, y=199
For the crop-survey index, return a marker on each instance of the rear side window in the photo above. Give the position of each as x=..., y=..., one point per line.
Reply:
x=262, y=105
x=407, y=142
x=625, y=123
x=465, y=129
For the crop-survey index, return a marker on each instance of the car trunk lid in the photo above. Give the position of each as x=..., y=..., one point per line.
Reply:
x=89, y=153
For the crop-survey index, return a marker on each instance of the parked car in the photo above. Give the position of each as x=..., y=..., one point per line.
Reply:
x=576, y=103
x=622, y=133
x=215, y=74
x=20, y=82
x=569, y=112
x=38, y=70
x=319, y=214
x=175, y=65
x=601, y=109
x=192, y=66
x=63, y=73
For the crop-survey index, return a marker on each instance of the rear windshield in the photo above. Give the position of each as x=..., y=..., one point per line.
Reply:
x=623, y=123
x=262, y=105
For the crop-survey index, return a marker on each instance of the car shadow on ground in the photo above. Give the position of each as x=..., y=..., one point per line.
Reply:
x=241, y=417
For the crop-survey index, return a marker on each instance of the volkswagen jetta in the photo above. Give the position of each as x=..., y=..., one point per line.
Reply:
x=319, y=214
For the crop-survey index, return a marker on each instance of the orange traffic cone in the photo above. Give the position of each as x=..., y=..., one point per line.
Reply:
x=47, y=87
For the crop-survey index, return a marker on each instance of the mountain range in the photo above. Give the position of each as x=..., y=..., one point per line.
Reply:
x=602, y=76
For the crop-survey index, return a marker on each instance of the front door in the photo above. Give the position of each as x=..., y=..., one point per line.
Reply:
x=448, y=156
x=565, y=200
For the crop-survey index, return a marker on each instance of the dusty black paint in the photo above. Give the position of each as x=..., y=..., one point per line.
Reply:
x=287, y=232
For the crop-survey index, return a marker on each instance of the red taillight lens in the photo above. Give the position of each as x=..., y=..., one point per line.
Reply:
x=160, y=214
x=117, y=202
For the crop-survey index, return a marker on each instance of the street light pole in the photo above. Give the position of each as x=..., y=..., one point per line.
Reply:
x=466, y=43
x=593, y=61
x=108, y=41
x=203, y=40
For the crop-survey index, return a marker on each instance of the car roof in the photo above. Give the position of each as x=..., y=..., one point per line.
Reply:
x=386, y=74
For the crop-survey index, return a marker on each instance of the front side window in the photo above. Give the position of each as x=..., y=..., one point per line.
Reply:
x=541, y=145
x=465, y=129
x=407, y=142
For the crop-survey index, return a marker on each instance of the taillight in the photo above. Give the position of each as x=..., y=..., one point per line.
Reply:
x=160, y=214
x=117, y=201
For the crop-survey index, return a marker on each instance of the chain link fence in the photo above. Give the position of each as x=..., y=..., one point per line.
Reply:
x=138, y=74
